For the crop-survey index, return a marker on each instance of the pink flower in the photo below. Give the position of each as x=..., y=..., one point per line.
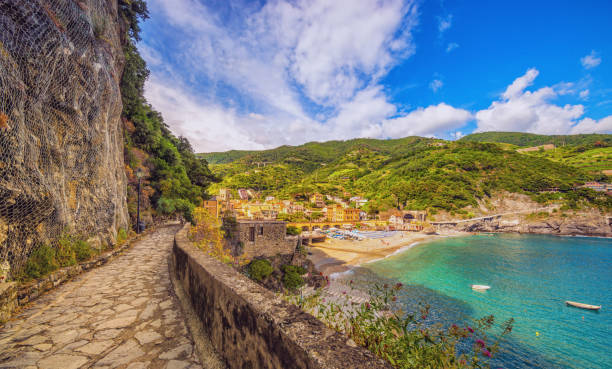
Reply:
x=486, y=353
x=344, y=292
x=398, y=285
x=367, y=305
x=470, y=329
x=323, y=300
x=481, y=343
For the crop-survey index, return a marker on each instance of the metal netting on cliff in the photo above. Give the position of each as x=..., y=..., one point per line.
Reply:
x=61, y=145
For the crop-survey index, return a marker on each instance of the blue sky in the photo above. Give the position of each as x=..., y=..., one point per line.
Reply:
x=231, y=74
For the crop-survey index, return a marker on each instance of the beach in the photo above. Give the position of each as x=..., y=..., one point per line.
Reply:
x=336, y=256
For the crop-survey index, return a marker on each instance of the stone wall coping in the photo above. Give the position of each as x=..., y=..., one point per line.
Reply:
x=239, y=314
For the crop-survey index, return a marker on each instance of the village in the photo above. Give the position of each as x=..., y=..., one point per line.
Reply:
x=320, y=211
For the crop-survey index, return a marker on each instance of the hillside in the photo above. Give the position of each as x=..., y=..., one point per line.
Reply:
x=590, y=152
x=314, y=152
x=530, y=139
x=419, y=172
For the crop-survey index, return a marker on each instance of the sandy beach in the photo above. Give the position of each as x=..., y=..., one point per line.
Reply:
x=333, y=255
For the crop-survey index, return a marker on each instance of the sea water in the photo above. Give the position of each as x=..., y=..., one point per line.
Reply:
x=531, y=277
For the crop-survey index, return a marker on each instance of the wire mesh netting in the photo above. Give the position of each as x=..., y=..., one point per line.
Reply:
x=61, y=148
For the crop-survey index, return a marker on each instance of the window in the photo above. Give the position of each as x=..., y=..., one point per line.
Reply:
x=261, y=230
x=252, y=234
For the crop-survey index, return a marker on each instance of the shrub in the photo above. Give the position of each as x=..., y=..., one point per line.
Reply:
x=260, y=269
x=82, y=250
x=121, y=236
x=292, y=280
x=40, y=262
x=293, y=269
x=64, y=254
x=293, y=231
x=407, y=340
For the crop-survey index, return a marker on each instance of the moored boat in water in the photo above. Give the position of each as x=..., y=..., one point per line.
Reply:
x=583, y=306
x=480, y=287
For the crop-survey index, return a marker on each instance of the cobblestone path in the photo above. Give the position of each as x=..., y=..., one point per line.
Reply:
x=120, y=315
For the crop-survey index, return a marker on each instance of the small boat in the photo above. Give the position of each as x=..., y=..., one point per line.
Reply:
x=582, y=306
x=480, y=287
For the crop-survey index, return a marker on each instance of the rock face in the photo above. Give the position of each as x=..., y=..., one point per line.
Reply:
x=585, y=224
x=61, y=142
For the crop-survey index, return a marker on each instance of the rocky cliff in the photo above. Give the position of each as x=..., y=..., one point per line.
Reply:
x=61, y=143
x=590, y=223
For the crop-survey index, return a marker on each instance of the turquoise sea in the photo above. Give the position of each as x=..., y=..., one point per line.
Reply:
x=530, y=277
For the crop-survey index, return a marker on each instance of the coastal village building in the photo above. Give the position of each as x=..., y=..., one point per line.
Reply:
x=359, y=201
x=255, y=238
x=212, y=206
x=338, y=213
x=225, y=194
x=412, y=216
x=351, y=214
x=318, y=200
x=269, y=198
x=243, y=194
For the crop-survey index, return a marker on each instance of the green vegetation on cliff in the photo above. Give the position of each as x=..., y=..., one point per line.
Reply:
x=419, y=172
x=530, y=139
x=175, y=179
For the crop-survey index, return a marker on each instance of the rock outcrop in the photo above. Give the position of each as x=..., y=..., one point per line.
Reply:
x=61, y=142
x=584, y=224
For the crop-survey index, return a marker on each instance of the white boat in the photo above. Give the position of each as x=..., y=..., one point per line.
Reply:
x=480, y=287
x=583, y=306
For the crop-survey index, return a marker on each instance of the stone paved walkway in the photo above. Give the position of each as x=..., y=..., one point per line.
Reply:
x=121, y=315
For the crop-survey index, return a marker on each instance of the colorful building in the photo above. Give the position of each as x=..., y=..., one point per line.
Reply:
x=212, y=206
x=318, y=200
x=225, y=194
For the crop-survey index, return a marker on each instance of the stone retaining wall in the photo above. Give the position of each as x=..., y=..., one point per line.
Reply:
x=250, y=327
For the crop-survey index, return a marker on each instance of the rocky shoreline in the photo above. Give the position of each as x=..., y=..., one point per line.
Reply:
x=585, y=224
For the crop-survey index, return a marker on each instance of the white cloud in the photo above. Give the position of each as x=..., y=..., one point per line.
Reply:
x=518, y=86
x=451, y=46
x=533, y=111
x=445, y=23
x=457, y=135
x=591, y=60
x=435, y=85
x=588, y=125
x=427, y=121
x=584, y=94
x=282, y=58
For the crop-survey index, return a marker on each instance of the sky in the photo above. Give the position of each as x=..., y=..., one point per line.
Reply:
x=237, y=74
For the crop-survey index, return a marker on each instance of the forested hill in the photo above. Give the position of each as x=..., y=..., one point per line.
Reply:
x=530, y=139
x=421, y=172
x=319, y=152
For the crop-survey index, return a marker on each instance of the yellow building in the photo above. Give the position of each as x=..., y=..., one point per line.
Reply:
x=338, y=213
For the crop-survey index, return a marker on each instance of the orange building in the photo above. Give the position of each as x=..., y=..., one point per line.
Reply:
x=351, y=215
x=212, y=206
